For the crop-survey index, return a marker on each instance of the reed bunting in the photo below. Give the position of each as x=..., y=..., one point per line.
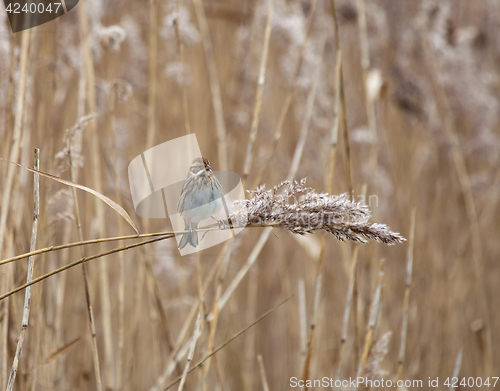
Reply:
x=200, y=199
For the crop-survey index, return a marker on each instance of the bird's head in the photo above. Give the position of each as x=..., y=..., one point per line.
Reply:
x=200, y=166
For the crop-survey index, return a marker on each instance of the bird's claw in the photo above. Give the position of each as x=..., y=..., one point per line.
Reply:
x=220, y=223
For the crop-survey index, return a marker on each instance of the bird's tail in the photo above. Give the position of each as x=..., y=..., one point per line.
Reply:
x=189, y=237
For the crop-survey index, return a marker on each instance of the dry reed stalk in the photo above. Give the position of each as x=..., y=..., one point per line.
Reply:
x=328, y=186
x=176, y=355
x=288, y=98
x=60, y=291
x=347, y=146
x=312, y=327
x=82, y=94
x=201, y=295
x=263, y=377
x=465, y=184
x=101, y=196
x=243, y=271
x=32, y=123
x=456, y=368
x=14, y=154
x=347, y=311
x=30, y=357
x=59, y=294
x=356, y=302
x=150, y=139
x=8, y=108
x=151, y=132
x=335, y=127
x=228, y=342
x=333, y=10
x=17, y=133
x=258, y=94
x=194, y=338
x=94, y=241
x=485, y=216
x=369, y=101
x=153, y=283
x=218, y=371
x=154, y=310
x=84, y=243
x=172, y=365
x=150, y=142
x=37, y=320
x=7, y=278
x=96, y=168
x=153, y=72
x=213, y=79
x=15, y=305
x=82, y=261
x=121, y=255
x=187, y=127
x=379, y=314
x=10, y=313
x=406, y=302
x=302, y=317
x=340, y=107
x=297, y=155
x=202, y=308
x=379, y=311
x=90, y=312
x=252, y=286
x=251, y=312
x=200, y=379
x=29, y=277
x=9, y=283
x=180, y=47
x=225, y=255
x=347, y=150
x=220, y=303
x=136, y=309
x=372, y=320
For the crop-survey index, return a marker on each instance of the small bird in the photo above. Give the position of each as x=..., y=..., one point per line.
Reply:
x=200, y=199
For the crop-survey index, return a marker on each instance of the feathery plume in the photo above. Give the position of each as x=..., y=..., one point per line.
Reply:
x=310, y=212
x=75, y=134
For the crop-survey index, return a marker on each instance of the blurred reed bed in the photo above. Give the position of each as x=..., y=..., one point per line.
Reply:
x=393, y=104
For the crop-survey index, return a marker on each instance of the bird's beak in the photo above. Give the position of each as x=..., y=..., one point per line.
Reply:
x=208, y=167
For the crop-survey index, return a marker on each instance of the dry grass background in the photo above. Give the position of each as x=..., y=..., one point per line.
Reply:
x=424, y=135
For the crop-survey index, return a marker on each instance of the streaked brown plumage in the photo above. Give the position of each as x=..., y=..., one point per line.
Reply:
x=200, y=199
